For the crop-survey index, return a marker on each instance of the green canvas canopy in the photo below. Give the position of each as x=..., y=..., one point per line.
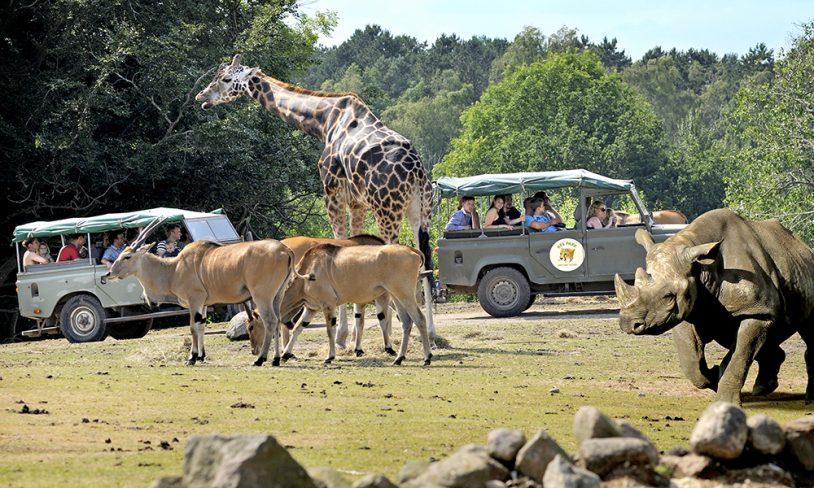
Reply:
x=498, y=184
x=104, y=223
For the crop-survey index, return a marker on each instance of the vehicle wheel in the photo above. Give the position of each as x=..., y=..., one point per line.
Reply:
x=532, y=298
x=83, y=319
x=504, y=292
x=131, y=330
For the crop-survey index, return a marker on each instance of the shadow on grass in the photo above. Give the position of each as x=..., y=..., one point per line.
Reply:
x=554, y=314
x=780, y=400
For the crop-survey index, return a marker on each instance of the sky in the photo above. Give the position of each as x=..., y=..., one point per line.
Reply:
x=638, y=25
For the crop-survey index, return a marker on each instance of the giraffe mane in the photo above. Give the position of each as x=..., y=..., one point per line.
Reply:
x=306, y=91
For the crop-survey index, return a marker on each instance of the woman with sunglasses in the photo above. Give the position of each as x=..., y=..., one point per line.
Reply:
x=595, y=213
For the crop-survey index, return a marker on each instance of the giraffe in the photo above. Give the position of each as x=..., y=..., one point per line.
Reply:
x=364, y=164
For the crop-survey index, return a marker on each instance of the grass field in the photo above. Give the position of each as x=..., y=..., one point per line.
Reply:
x=119, y=412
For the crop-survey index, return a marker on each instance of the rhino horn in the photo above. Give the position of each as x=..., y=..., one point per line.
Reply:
x=236, y=60
x=644, y=239
x=641, y=277
x=704, y=253
x=626, y=294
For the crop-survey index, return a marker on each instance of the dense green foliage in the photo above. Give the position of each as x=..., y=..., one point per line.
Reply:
x=98, y=110
x=772, y=125
x=561, y=113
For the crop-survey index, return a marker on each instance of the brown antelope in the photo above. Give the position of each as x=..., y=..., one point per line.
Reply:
x=300, y=245
x=328, y=276
x=659, y=217
x=206, y=273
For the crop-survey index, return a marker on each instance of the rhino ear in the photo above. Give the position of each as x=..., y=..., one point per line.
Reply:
x=644, y=239
x=625, y=293
x=705, y=254
x=641, y=277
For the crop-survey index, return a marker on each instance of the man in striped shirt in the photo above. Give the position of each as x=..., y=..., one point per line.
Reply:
x=172, y=245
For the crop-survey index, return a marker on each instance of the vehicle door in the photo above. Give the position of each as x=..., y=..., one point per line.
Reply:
x=560, y=255
x=613, y=250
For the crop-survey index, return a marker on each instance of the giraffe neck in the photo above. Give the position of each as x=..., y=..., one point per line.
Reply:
x=314, y=113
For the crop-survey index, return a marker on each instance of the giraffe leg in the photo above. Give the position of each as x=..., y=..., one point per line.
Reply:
x=357, y=223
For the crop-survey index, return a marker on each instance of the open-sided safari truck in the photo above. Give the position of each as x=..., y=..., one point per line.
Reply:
x=508, y=268
x=71, y=297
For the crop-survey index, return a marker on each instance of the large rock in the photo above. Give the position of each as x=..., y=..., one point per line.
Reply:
x=253, y=460
x=238, y=327
x=629, y=430
x=503, y=444
x=374, y=481
x=470, y=466
x=168, y=482
x=328, y=478
x=560, y=473
x=765, y=434
x=690, y=465
x=533, y=458
x=602, y=456
x=590, y=423
x=411, y=470
x=800, y=439
x=721, y=432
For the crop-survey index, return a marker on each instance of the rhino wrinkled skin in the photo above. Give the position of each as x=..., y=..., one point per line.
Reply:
x=748, y=285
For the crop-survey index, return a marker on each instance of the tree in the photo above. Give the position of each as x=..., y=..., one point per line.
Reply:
x=660, y=81
x=610, y=55
x=99, y=115
x=771, y=171
x=430, y=116
x=562, y=113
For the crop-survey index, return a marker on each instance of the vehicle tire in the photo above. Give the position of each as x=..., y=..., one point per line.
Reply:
x=131, y=330
x=532, y=298
x=504, y=292
x=83, y=319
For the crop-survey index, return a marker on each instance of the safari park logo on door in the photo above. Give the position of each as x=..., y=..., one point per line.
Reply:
x=567, y=254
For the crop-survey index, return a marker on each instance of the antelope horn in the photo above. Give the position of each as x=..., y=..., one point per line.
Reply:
x=142, y=236
x=625, y=293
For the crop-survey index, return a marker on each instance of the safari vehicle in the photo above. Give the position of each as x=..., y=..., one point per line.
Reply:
x=74, y=299
x=508, y=268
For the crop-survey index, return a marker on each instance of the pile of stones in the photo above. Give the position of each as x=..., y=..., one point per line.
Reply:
x=726, y=449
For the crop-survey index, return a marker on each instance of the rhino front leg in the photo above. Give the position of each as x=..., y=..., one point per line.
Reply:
x=751, y=337
x=691, y=357
x=808, y=338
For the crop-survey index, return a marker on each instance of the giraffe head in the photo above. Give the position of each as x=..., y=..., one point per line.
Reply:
x=230, y=83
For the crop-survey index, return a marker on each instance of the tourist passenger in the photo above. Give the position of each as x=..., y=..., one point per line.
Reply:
x=536, y=220
x=45, y=252
x=466, y=217
x=596, y=212
x=116, y=247
x=493, y=217
x=32, y=253
x=172, y=245
x=510, y=214
x=70, y=251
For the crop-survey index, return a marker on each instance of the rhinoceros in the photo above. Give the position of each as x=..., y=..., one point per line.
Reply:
x=748, y=285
